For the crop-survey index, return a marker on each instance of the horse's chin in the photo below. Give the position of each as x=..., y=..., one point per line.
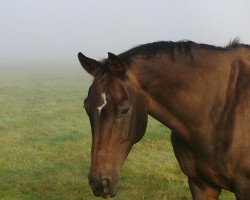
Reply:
x=109, y=194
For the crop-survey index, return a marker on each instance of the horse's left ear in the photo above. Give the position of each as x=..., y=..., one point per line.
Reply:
x=89, y=64
x=116, y=65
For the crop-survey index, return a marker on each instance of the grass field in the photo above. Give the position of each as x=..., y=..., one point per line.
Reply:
x=45, y=143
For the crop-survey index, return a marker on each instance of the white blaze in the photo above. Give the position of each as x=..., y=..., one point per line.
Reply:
x=99, y=108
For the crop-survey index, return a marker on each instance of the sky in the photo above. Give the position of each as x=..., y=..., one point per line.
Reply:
x=54, y=31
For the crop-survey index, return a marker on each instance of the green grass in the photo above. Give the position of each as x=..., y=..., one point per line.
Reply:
x=45, y=143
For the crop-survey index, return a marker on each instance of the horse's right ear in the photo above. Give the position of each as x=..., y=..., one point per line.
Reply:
x=89, y=64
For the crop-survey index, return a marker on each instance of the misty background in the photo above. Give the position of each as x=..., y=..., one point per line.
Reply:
x=52, y=32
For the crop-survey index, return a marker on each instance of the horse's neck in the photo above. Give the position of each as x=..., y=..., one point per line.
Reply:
x=179, y=96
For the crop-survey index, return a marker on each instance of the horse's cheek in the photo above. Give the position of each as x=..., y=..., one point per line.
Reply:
x=140, y=122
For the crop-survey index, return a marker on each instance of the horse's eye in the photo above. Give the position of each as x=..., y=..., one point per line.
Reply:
x=125, y=111
x=123, y=108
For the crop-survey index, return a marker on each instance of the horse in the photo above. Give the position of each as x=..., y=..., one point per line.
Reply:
x=200, y=92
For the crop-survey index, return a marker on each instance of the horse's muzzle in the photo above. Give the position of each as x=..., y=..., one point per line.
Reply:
x=103, y=187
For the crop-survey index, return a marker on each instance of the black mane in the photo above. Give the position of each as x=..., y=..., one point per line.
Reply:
x=151, y=49
x=235, y=43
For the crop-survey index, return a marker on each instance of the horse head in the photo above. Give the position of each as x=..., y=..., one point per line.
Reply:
x=117, y=111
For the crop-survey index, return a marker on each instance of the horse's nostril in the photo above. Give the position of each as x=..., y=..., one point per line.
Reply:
x=91, y=182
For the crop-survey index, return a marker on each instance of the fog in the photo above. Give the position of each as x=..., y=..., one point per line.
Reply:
x=52, y=32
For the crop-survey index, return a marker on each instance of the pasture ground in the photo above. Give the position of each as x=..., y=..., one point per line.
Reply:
x=45, y=143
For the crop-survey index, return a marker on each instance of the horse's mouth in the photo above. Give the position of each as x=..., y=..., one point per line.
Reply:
x=105, y=195
x=111, y=195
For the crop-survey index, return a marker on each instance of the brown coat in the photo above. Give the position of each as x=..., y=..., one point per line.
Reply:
x=201, y=92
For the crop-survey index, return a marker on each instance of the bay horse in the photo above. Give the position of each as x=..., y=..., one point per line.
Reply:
x=201, y=92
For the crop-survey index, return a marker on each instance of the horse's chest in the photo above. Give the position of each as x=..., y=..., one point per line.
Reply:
x=214, y=174
x=203, y=168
